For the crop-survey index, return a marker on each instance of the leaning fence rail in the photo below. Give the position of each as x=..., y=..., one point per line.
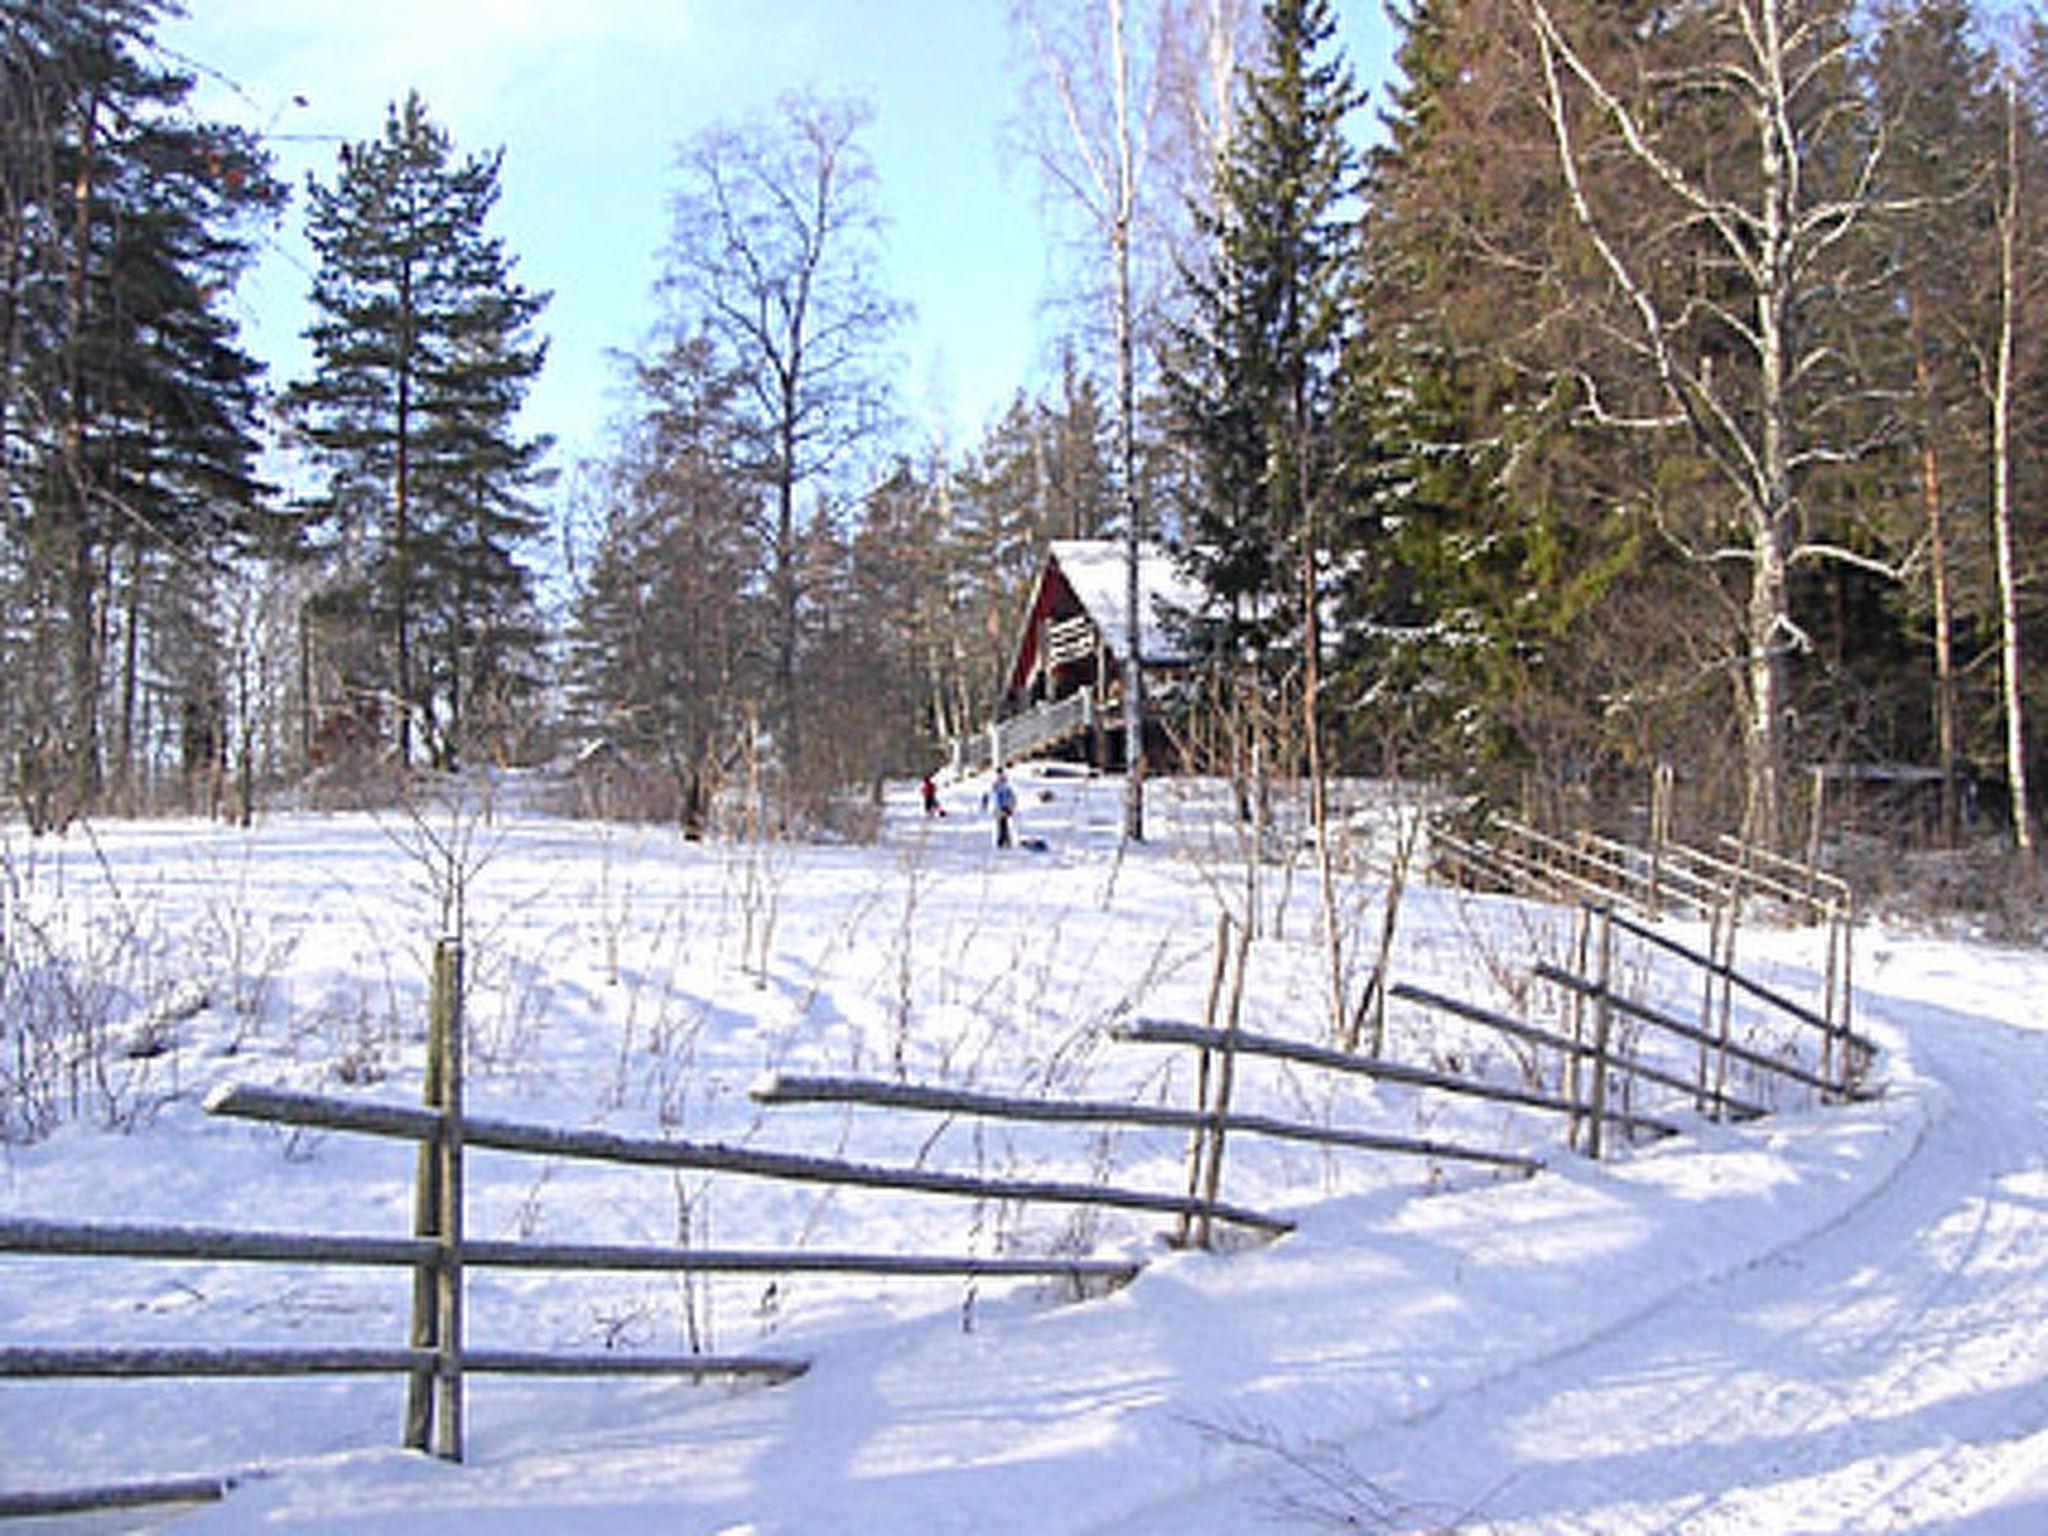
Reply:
x=1166, y=1032
x=886, y=1095
x=1844, y=1052
x=1570, y=1049
x=1761, y=1061
x=401, y=1122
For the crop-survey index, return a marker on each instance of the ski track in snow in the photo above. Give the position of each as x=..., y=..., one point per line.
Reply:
x=1888, y=1372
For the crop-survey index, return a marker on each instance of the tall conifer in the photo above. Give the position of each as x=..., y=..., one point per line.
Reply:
x=127, y=408
x=423, y=353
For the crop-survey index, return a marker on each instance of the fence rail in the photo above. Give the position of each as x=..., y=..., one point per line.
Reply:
x=499, y=1135
x=1583, y=1050
x=124, y=1241
x=141, y=1361
x=1762, y=1061
x=1164, y=1032
x=52, y=1503
x=799, y=1090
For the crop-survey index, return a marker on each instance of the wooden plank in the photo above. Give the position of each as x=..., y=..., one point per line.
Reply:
x=1755, y=989
x=392, y=1120
x=501, y=1362
x=135, y=1362
x=879, y=1094
x=766, y=1262
x=107, y=1240
x=195, y=1361
x=1164, y=1032
x=124, y=1241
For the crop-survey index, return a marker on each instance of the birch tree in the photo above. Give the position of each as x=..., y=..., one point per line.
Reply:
x=1728, y=272
x=776, y=239
x=1106, y=98
x=2005, y=542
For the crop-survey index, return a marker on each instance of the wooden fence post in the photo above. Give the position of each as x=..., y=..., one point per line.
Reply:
x=448, y=991
x=426, y=1219
x=1704, y=1100
x=1198, y=1139
x=1226, y=1073
x=1574, y=1069
x=1603, y=1022
x=433, y=1407
x=1725, y=1030
x=1839, y=1058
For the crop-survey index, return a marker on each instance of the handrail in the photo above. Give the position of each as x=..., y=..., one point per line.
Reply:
x=1010, y=737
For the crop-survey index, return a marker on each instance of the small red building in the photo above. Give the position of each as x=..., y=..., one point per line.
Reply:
x=1063, y=692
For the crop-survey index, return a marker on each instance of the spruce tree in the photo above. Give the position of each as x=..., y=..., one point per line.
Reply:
x=665, y=649
x=1258, y=394
x=423, y=352
x=1469, y=617
x=1255, y=383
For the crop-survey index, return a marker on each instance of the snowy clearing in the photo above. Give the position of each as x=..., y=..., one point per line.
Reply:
x=1835, y=1319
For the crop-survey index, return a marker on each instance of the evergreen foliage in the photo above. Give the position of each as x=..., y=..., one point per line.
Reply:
x=423, y=354
x=127, y=407
x=1656, y=391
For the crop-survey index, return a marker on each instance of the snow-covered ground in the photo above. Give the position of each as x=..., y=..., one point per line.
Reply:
x=1832, y=1320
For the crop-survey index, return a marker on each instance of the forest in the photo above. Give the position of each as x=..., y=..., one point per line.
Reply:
x=1634, y=388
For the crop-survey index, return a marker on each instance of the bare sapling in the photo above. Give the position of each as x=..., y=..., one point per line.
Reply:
x=693, y=1299
x=1368, y=1021
x=86, y=1003
x=901, y=1005
x=445, y=843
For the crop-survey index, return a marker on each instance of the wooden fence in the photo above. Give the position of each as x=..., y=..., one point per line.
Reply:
x=1840, y=1057
x=435, y=1359
x=1208, y=1124
x=1666, y=877
x=1597, y=1091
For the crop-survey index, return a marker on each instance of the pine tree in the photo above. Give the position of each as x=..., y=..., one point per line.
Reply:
x=127, y=409
x=423, y=353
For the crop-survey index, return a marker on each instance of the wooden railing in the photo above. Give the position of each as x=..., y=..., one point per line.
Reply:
x=1720, y=886
x=1016, y=736
x=1068, y=640
x=435, y=1359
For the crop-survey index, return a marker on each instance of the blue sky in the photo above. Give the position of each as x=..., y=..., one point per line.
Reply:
x=590, y=98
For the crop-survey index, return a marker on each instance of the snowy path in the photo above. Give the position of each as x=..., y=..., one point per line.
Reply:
x=1887, y=1373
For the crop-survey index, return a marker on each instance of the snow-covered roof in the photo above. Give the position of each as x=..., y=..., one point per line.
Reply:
x=1097, y=571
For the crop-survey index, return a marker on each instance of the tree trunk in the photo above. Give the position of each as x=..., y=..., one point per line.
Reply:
x=401, y=526
x=1932, y=502
x=2011, y=654
x=1126, y=434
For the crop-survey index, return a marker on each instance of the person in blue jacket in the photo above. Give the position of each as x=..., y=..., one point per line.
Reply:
x=1004, y=798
